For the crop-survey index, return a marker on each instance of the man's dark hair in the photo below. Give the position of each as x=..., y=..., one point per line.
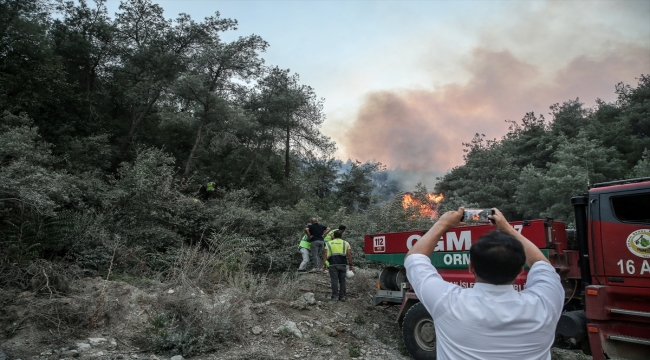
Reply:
x=342, y=227
x=337, y=234
x=497, y=257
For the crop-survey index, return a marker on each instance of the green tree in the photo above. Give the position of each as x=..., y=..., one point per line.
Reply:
x=354, y=188
x=489, y=177
x=209, y=83
x=153, y=52
x=579, y=163
x=290, y=115
x=642, y=168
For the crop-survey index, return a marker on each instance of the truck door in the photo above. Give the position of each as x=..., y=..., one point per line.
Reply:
x=625, y=238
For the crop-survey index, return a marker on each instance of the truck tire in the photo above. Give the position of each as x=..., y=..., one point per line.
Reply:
x=419, y=333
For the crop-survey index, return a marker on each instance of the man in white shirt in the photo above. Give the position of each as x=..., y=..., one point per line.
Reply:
x=490, y=320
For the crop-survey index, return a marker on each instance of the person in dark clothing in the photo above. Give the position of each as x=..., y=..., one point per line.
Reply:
x=207, y=189
x=316, y=232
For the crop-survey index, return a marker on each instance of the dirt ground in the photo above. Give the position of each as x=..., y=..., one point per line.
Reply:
x=116, y=320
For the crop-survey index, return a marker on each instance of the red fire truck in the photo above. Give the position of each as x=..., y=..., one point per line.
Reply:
x=604, y=265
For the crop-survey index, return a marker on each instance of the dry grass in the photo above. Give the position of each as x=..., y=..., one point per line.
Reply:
x=262, y=287
x=227, y=265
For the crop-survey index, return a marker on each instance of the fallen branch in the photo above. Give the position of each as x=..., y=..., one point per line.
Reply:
x=102, y=295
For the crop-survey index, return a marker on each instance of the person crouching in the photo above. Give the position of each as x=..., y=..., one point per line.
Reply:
x=338, y=254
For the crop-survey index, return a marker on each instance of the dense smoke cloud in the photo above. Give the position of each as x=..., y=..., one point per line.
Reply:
x=421, y=130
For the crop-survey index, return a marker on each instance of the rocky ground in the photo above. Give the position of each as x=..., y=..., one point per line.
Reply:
x=120, y=320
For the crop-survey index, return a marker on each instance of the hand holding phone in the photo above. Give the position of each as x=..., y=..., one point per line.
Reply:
x=477, y=216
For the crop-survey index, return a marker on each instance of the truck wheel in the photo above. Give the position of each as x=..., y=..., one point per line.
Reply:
x=419, y=333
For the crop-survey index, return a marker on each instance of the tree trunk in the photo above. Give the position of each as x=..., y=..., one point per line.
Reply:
x=134, y=126
x=250, y=165
x=286, y=156
x=196, y=141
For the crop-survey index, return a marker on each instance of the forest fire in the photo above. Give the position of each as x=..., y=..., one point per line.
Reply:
x=428, y=208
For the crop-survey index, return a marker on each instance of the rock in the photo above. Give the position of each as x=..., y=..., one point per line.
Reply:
x=101, y=353
x=177, y=357
x=375, y=326
x=291, y=326
x=83, y=346
x=46, y=353
x=134, y=356
x=170, y=291
x=257, y=330
x=153, y=357
x=119, y=357
x=96, y=341
x=340, y=329
x=309, y=298
x=330, y=331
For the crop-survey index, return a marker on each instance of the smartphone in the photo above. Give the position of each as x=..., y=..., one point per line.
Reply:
x=477, y=216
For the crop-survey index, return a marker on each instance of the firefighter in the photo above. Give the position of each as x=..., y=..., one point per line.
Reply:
x=207, y=189
x=328, y=236
x=305, y=249
x=338, y=254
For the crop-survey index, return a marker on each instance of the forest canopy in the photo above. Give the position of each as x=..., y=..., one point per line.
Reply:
x=109, y=126
x=535, y=169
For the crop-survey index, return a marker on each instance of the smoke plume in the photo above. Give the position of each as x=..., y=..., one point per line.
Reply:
x=423, y=130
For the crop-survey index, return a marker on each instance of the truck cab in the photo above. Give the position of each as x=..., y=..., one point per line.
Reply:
x=617, y=292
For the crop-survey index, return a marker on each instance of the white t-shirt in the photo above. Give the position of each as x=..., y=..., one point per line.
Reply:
x=490, y=321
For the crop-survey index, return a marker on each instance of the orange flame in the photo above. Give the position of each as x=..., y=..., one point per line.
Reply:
x=429, y=208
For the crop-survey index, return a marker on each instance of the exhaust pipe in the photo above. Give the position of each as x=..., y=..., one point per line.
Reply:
x=580, y=204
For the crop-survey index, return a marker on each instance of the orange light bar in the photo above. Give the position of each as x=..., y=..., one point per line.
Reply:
x=378, y=286
x=592, y=292
x=592, y=329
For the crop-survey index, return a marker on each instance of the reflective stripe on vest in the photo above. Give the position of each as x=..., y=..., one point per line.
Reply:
x=210, y=186
x=337, y=250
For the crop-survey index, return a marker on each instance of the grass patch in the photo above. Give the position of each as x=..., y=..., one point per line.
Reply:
x=285, y=333
x=354, y=352
x=318, y=341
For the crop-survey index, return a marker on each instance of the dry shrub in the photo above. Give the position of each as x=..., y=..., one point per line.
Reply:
x=192, y=325
x=40, y=276
x=196, y=266
x=209, y=262
x=262, y=287
x=62, y=317
x=365, y=280
x=226, y=260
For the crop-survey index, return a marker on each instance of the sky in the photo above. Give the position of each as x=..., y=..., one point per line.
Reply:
x=407, y=82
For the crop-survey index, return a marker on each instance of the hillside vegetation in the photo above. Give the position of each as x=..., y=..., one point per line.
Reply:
x=109, y=125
